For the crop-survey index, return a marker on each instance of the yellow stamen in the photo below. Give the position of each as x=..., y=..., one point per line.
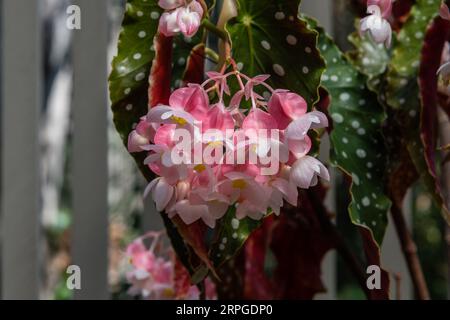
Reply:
x=200, y=168
x=239, y=184
x=179, y=120
x=215, y=144
x=168, y=292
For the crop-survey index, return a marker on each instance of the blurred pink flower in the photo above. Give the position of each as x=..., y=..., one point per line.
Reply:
x=378, y=27
x=180, y=17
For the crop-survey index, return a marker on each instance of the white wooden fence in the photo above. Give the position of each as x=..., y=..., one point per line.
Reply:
x=21, y=95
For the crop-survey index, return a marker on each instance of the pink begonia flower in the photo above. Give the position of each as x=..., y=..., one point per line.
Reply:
x=162, y=192
x=197, y=207
x=189, y=20
x=444, y=12
x=304, y=172
x=254, y=164
x=181, y=17
x=384, y=5
x=192, y=99
x=285, y=106
x=257, y=120
x=168, y=23
x=170, y=4
x=168, y=115
x=152, y=275
x=218, y=118
x=378, y=27
x=298, y=129
x=141, y=136
x=252, y=198
x=282, y=189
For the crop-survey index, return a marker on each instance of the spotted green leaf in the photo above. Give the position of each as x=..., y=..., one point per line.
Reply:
x=357, y=143
x=268, y=38
x=128, y=81
x=231, y=236
x=128, y=85
x=402, y=87
x=370, y=58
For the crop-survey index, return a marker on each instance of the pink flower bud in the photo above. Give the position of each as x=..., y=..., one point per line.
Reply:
x=170, y=4
x=384, y=5
x=168, y=25
x=444, y=12
x=189, y=18
x=378, y=27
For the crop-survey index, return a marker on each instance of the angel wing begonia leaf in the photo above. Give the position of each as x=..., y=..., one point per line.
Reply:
x=436, y=37
x=370, y=58
x=129, y=85
x=231, y=236
x=357, y=144
x=403, y=96
x=264, y=36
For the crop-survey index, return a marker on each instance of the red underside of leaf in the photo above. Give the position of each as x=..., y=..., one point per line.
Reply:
x=435, y=39
x=195, y=68
x=182, y=280
x=298, y=244
x=372, y=252
x=161, y=72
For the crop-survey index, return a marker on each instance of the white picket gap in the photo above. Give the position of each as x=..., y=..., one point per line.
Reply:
x=21, y=81
x=90, y=170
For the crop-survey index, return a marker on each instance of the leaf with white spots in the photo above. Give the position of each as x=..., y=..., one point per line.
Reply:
x=356, y=140
x=268, y=38
x=128, y=87
x=370, y=58
x=231, y=236
x=128, y=83
x=402, y=87
x=403, y=94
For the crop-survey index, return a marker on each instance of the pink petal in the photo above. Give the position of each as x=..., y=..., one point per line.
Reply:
x=195, y=6
x=299, y=128
x=192, y=99
x=152, y=158
x=190, y=213
x=164, y=135
x=289, y=190
x=286, y=106
x=170, y=4
x=150, y=186
x=162, y=194
x=136, y=142
x=218, y=118
x=444, y=12
x=188, y=21
x=168, y=24
x=305, y=170
x=259, y=119
x=300, y=148
x=145, y=129
x=384, y=5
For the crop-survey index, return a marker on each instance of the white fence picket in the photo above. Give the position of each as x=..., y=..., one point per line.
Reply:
x=21, y=81
x=90, y=173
